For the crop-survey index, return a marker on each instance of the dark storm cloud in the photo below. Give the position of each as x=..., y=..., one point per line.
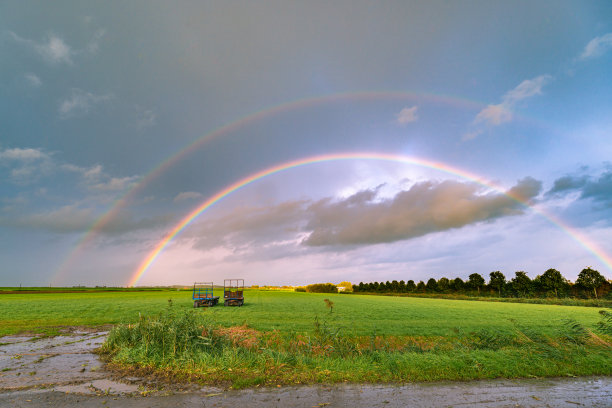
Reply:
x=364, y=218
x=598, y=189
x=425, y=208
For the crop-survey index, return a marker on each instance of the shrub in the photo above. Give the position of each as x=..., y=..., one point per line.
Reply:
x=322, y=288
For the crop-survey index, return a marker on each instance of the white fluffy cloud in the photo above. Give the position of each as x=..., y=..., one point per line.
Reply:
x=597, y=47
x=407, y=115
x=52, y=48
x=115, y=184
x=80, y=102
x=33, y=80
x=55, y=51
x=23, y=154
x=495, y=115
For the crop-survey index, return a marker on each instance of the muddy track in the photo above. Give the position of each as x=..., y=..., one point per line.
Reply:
x=64, y=372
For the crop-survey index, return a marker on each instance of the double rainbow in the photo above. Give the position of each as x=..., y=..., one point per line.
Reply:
x=242, y=123
x=154, y=254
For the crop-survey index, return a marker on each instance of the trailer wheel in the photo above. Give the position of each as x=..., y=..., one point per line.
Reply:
x=195, y=304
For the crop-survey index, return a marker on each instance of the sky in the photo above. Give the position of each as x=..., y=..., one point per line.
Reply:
x=155, y=143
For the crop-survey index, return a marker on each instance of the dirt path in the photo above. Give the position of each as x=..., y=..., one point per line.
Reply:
x=64, y=372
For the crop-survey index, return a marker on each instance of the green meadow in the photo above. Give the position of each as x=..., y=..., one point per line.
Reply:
x=281, y=337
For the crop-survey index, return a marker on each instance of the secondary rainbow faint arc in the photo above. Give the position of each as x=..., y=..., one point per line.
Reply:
x=122, y=202
x=574, y=234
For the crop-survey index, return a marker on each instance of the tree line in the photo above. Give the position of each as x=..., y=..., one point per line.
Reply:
x=590, y=283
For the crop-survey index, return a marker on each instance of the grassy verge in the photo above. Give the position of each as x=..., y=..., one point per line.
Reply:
x=190, y=346
x=535, y=301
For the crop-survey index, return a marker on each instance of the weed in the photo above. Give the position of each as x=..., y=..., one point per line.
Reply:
x=605, y=324
x=575, y=332
x=329, y=304
x=487, y=339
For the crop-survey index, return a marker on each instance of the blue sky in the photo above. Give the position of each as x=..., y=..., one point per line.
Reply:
x=96, y=96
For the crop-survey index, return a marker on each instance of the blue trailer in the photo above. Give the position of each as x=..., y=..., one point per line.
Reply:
x=203, y=295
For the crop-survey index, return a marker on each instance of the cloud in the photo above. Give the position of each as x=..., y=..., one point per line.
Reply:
x=66, y=219
x=80, y=102
x=33, y=80
x=598, y=188
x=187, y=195
x=55, y=51
x=254, y=227
x=145, y=118
x=495, y=115
x=526, y=89
x=425, y=208
x=52, y=49
x=363, y=218
x=94, y=45
x=26, y=165
x=19, y=154
x=115, y=184
x=567, y=183
x=407, y=115
x=95, y=179
x=597, y=47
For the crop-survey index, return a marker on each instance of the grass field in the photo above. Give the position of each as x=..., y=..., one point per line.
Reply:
x=287, y=337
x=288, y=312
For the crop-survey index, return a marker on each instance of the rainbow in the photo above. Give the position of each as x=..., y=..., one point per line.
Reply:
x=234, y=126
x=152, y=256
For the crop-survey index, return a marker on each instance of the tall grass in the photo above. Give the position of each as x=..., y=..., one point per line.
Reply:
x=186, y=344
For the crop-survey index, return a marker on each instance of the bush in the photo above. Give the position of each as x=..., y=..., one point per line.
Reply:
x=322, y=288
x=300, y=289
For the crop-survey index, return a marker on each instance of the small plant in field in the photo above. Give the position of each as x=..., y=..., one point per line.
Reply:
x=575, y=332
x=605, y=324
x=169, y=302
x=329, y=304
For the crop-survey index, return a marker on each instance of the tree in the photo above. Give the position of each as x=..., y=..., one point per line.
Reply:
x=432, y=285
x=590, y=279
x=457, y=284
x=420, y=287
x=410, y=286
x=522, y=284
x=552, y=280
x=443, y=284
x=497, y=281
x=395, y=286
x=476, y=281
x=348, y=286
x=402, y=286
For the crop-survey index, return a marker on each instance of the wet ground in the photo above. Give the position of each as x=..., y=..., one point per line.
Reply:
x=64, y=372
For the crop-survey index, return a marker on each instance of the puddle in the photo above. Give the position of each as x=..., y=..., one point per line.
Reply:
x=99, y=387
x=29, y=362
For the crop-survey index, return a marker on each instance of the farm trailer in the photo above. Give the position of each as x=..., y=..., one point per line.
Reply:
x=203, y=295
x=233, y=292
